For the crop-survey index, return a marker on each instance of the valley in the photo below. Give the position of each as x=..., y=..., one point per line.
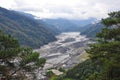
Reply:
x=65, y=52
x=59, y=40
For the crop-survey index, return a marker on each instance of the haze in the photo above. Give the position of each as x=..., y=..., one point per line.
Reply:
x=69, y=9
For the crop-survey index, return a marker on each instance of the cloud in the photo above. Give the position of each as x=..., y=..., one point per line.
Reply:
x=70, y=9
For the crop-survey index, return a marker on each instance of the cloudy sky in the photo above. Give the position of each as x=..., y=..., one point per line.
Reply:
x=70, y=9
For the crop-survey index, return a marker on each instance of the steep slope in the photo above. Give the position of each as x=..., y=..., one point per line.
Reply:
x=25, y=14
x=82, y=71
x=50, y=27
x=28, y=31
x=90, y=30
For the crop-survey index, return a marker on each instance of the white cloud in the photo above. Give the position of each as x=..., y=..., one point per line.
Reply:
x=71, y=9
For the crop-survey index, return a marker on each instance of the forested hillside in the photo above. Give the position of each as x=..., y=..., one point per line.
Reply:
x=49, y=27
x=63, y=25
x=104, y=55
x=90, y=30
x=28, y=31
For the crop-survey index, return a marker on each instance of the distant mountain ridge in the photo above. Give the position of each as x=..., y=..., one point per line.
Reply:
x=28, y=31
x=37, y=32
x=50, y=27
x=62, y=25
x=88, y=27
x=66, y=25
x=90, y=30
x=83, y=22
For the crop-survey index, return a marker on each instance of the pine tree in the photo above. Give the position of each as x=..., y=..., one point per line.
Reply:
x=16, y=61
x=106, y=51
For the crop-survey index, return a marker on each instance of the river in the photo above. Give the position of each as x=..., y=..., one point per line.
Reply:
x=65, y=51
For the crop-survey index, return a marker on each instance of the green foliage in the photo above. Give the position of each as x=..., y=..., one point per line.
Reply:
x=60, y=77
x=49, y=74
x=29, y=58
x=113, y=19
x=61, y=69
x=8, y=45
x=104, y=62
x=15, y=61
x=81, y=71
x=107, y=49
x=40, y=62
x=29, y=32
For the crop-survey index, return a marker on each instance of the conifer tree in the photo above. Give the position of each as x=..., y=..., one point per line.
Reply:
x=106, y=51
x=15, y=61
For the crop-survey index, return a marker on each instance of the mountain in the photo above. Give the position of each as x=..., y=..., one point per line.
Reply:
x=62, y=25
x=29, y=31
x=50, y=27
x=25, y=14
x=83, y=22
x=90, y=30
x=65, y=25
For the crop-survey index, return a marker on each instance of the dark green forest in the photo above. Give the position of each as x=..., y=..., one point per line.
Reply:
x=29, y=31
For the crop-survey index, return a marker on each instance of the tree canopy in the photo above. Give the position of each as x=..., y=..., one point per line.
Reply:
x=106, y=51
x=15, y=61
x=104, y=55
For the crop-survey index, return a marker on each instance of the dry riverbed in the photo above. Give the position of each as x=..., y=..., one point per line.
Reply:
x=65, y=52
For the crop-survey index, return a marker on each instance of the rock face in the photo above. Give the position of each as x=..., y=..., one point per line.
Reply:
x=65, y=52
